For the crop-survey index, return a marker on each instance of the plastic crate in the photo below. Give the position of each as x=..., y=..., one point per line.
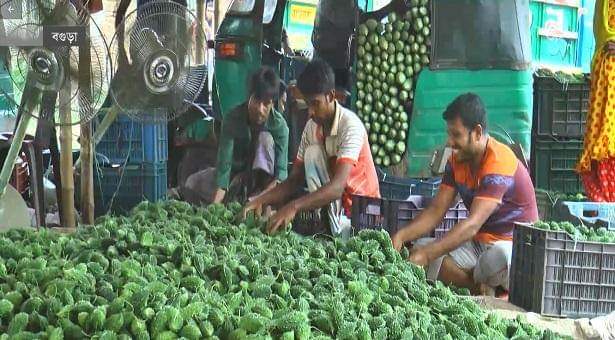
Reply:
x=135, y=142
x=554, y=163
x=598, y=214
x=560, y=109
x=133, y=184
x=392, y=215
x=545, y=203
x=393, y=187
x=400, y=188
x=428, y=187
x=371, y=213
x=554, y=275
x=309, y=223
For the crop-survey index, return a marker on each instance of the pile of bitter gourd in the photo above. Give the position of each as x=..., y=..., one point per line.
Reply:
x=170, y=270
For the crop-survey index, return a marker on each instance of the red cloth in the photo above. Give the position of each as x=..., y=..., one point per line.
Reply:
x=599, y=182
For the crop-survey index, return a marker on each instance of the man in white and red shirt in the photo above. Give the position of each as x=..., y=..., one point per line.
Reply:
x=334, y=159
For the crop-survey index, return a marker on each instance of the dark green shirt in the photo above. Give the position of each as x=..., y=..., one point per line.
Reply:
x=236, y=144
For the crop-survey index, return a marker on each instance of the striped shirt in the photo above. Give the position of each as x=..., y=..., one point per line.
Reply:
x=501, y=179
x=347, y=143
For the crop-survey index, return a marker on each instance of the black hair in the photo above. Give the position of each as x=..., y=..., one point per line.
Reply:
x=470, y=108
x=316, y=78
x=264, y=84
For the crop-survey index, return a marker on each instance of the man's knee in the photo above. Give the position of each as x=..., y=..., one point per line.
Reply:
x=494, y=264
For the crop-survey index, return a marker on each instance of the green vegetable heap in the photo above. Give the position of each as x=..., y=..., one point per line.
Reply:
x=170, y=270
x=558, y=196
x=579, y=233
x=389, y=58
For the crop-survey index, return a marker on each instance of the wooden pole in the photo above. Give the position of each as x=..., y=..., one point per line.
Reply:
x=87, y=154
x=66, y=157
x=101, y=128
x=200, y=36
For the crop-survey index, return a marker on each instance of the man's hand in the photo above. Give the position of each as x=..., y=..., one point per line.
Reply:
x=609, y=48
x=419, y=257
x=219, y=195
x=281, y=218
x=255, y=205
x=398, y=241
x=270, y=187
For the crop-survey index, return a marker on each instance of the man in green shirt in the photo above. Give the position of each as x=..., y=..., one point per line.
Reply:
x=253, y=146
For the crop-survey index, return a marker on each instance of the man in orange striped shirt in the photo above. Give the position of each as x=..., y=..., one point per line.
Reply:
x=497, y=188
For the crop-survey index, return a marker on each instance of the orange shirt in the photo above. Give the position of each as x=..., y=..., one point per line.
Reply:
x=502, y=178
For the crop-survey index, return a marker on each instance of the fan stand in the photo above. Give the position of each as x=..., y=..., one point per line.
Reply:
x=12, y=206
x=31, y=96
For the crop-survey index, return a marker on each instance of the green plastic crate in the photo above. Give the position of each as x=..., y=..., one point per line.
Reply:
x=555, y=34
x=545, y=202
x=553, y=165
x=508, y=97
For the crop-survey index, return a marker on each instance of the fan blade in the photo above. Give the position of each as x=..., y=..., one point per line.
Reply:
x=143, y=44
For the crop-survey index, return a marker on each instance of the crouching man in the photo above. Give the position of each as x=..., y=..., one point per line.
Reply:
x=494, y=184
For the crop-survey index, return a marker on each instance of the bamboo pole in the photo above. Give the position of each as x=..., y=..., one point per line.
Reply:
x=87, y=174
x=85, y=103
x=66, y=158
x=109, y=118
x=200, y=36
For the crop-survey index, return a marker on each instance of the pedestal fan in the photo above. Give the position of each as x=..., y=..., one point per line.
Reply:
x=61, y=73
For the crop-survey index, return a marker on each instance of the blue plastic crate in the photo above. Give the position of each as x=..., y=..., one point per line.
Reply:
x=135, y=142
x=598, y=214
x=131, y=184
x=401, y=188
x=397, y=188
x=428, y=187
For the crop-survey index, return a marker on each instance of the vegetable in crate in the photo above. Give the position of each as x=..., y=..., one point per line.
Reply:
x=580, y=233
x=304, y=278
x=389, y=58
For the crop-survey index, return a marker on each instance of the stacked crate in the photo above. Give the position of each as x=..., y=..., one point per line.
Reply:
x=560, y=115
x=133, y=165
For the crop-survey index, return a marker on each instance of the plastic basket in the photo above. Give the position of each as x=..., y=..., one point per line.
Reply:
x=309, y=223
x=554, y=163
x=428, y=187
x=400, y=188
x=560, y=109
x=392, y=215
x=554, y=275
x=545, y=203
x=594, y=213
x=134, y=142
x=133, y=184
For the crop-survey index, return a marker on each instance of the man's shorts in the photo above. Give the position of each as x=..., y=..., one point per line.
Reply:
x=489, y=262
